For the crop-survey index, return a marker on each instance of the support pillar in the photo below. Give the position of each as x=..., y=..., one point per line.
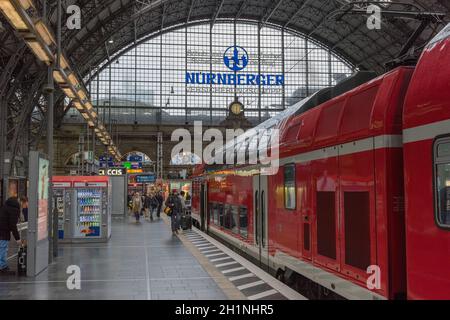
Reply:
x=3, y=130
x=159, y=155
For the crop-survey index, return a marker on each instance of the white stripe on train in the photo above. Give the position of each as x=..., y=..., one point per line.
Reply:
x=426, y=132
x=367, y=144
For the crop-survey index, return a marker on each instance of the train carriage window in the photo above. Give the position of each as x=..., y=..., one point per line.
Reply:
x=289, y=187
x=216, y=213
x=212, y=207
x=211, y=213
x=243, y=222
x=220, y=209
x=442, y=182
x=234, y=219
x=226, y=218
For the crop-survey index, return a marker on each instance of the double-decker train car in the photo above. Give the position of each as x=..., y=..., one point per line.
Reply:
x=332, y=221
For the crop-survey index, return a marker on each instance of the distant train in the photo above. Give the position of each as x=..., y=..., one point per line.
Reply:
x=364, y=182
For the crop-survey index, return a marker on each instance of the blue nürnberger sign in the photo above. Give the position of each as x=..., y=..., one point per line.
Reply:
x=236, y=59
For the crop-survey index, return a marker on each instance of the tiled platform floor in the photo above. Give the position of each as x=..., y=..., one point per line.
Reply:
x=139, y=262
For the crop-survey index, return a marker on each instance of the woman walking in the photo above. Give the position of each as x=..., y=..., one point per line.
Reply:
x=137, y=206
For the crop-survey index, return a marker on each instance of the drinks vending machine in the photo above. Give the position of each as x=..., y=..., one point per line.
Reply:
x=84, y=208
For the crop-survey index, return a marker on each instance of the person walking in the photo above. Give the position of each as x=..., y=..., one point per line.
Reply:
x=9, y=217
x=183, y=208
x=174, y=203
x=160, y=199
x=152, y=204
x=143, y=196
x=146, y=206
x=137, y=206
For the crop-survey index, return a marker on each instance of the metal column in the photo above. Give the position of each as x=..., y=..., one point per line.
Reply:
x=3, y=130
x=259, y=72
x=160, y=159
x=53, y=213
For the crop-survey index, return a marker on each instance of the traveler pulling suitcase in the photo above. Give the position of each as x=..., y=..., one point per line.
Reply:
x=22, y=261
x=186, y=222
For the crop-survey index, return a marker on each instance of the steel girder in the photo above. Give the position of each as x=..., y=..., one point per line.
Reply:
x=121, y=18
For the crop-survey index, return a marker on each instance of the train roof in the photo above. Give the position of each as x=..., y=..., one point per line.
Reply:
x=428, y=97
x=443, y=34
x=279, y=120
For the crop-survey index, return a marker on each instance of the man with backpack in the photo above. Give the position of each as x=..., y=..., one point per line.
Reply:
x=174, y=203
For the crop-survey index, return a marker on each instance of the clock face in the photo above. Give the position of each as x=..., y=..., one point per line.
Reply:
x=236, y=108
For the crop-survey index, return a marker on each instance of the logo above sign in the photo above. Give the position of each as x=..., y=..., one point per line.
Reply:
x=236, y=58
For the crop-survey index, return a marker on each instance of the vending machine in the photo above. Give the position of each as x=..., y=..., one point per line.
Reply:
x=62, y=199
x=84, y=208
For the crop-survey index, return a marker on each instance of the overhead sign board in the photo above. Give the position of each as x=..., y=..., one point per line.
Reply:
x=148, y=178
x=112, y=172
x=235, y=59
x=135, y=158
x=134, y=171
x=126, y=165
x=136, y=165
x=106, y=159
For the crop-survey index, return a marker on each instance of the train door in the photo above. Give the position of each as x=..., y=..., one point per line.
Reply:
x=203, y=207
x=260, y=219
x=303, y=185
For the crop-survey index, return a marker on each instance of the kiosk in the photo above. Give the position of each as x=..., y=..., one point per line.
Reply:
x=84, y=208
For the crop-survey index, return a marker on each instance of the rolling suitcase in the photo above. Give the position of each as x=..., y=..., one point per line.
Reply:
x=186, y=222
x=22, y=261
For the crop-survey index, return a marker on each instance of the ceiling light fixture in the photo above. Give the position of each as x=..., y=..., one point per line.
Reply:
x=13, y=15
x=44, y=32
x=58, y=75
x=26, y=4
x=39, y=51
x=69, y=93
x=73, y=80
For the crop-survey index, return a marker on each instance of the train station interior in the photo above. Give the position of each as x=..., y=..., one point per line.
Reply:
x=209, y=150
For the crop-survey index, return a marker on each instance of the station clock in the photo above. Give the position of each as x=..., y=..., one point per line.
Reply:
x=236, y=108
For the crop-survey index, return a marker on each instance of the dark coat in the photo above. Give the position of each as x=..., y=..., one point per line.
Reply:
x=160, y=199
x=9, y=217
x=151, y=202
x=174, y=202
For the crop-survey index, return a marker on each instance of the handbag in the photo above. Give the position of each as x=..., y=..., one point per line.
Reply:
x=168, y=211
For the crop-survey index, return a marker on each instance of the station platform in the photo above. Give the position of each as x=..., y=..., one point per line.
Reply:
x=146, y=262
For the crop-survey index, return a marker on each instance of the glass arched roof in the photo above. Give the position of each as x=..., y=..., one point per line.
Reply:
x=146, y=83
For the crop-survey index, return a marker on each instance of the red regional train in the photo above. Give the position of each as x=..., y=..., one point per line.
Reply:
x=360, y=206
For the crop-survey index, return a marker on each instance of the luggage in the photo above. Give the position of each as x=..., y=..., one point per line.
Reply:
x=22, y=261
x=186, y=222
x=168, y=211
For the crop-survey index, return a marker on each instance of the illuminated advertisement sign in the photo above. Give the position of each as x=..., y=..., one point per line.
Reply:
x=236, y=59
x=133, y=171
x=43, y=184
x=111, y=172
x=149, y=178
